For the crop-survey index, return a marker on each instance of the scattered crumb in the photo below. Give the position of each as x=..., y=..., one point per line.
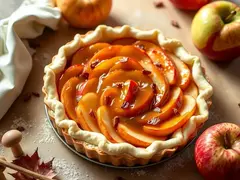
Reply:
x=119, y=178
x=158, y=3
x=175, y=24
x=27, y=97
x=36, y=94
x=20, y=128
x=21, y=125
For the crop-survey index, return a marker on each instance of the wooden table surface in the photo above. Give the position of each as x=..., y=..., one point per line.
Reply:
x=225, y=78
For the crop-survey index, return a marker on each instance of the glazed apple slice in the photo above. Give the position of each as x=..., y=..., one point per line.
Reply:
x=72, y=71
x=135, y=135
x=86, y=53
x=131, y=89
x=160, y=59
x=162, y=86
x=86, y=87
x=104, y=54
x=126, y=64
x=143, y=98
x=109, y=95
x=191, y=90
x=161, y=114
x=184, y=73
x=68, y=97
x=105, y=123
x=119, y=62
x=124, y=41
x=169, y=126
x=86, y=112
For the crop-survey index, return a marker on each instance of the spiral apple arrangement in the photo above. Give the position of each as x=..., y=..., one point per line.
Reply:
x=130, y=91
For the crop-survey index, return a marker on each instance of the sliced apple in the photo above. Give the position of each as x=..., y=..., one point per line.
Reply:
x=105, y=124
x=160, y=58
x=143, y=97
x=110, y=94
x=128, y=65
x=174, y=103
x=86, y=53
x=136, y=136
x=169, y=126
x=86, y=112
x=72, y=71
x=124, y=41
x=131, y=89
x=68, y=97
x=161, y=83
x=86, y=87
x=105, y=53
x=184, y=73
x=191, y=90
x=119, y=62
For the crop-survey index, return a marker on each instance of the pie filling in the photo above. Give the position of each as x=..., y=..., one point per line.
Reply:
x=129, y=90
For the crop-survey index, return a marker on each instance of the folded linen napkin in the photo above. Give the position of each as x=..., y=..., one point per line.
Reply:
x=27, y=22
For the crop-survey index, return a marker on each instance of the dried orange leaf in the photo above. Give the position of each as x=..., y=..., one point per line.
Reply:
x=35, y=164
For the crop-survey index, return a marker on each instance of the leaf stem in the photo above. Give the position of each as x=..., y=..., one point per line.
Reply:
x=230, y=16
x=227, y=140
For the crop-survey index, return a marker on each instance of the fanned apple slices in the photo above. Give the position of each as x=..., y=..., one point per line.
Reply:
x=173, y=105
x=175, y=122
x=129, y=90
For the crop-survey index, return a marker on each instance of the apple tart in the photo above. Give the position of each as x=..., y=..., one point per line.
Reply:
x=125, y=96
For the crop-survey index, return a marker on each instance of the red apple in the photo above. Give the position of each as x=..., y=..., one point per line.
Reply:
x=190, y=4
x=217, y=152
x=216, y=30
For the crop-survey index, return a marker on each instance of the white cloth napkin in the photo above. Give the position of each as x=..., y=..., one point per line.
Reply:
x=27, y=22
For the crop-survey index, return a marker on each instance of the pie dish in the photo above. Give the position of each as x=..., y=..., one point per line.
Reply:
x=125, y=96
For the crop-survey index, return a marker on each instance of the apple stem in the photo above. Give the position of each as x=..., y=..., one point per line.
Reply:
x=227, y=141
x=230, y=16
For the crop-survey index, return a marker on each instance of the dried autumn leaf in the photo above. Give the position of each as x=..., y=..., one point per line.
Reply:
x=35, y=164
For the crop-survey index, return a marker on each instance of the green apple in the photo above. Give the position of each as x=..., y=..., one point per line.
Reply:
x=216, y=30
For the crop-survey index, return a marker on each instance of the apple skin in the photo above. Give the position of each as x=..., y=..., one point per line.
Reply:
x=215, y=37
x=217, y=152
x=189, y=5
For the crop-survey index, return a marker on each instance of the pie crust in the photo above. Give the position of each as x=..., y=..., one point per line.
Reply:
x=95, y=145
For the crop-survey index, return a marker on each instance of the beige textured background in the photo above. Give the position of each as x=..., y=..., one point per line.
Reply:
x=225, y=78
